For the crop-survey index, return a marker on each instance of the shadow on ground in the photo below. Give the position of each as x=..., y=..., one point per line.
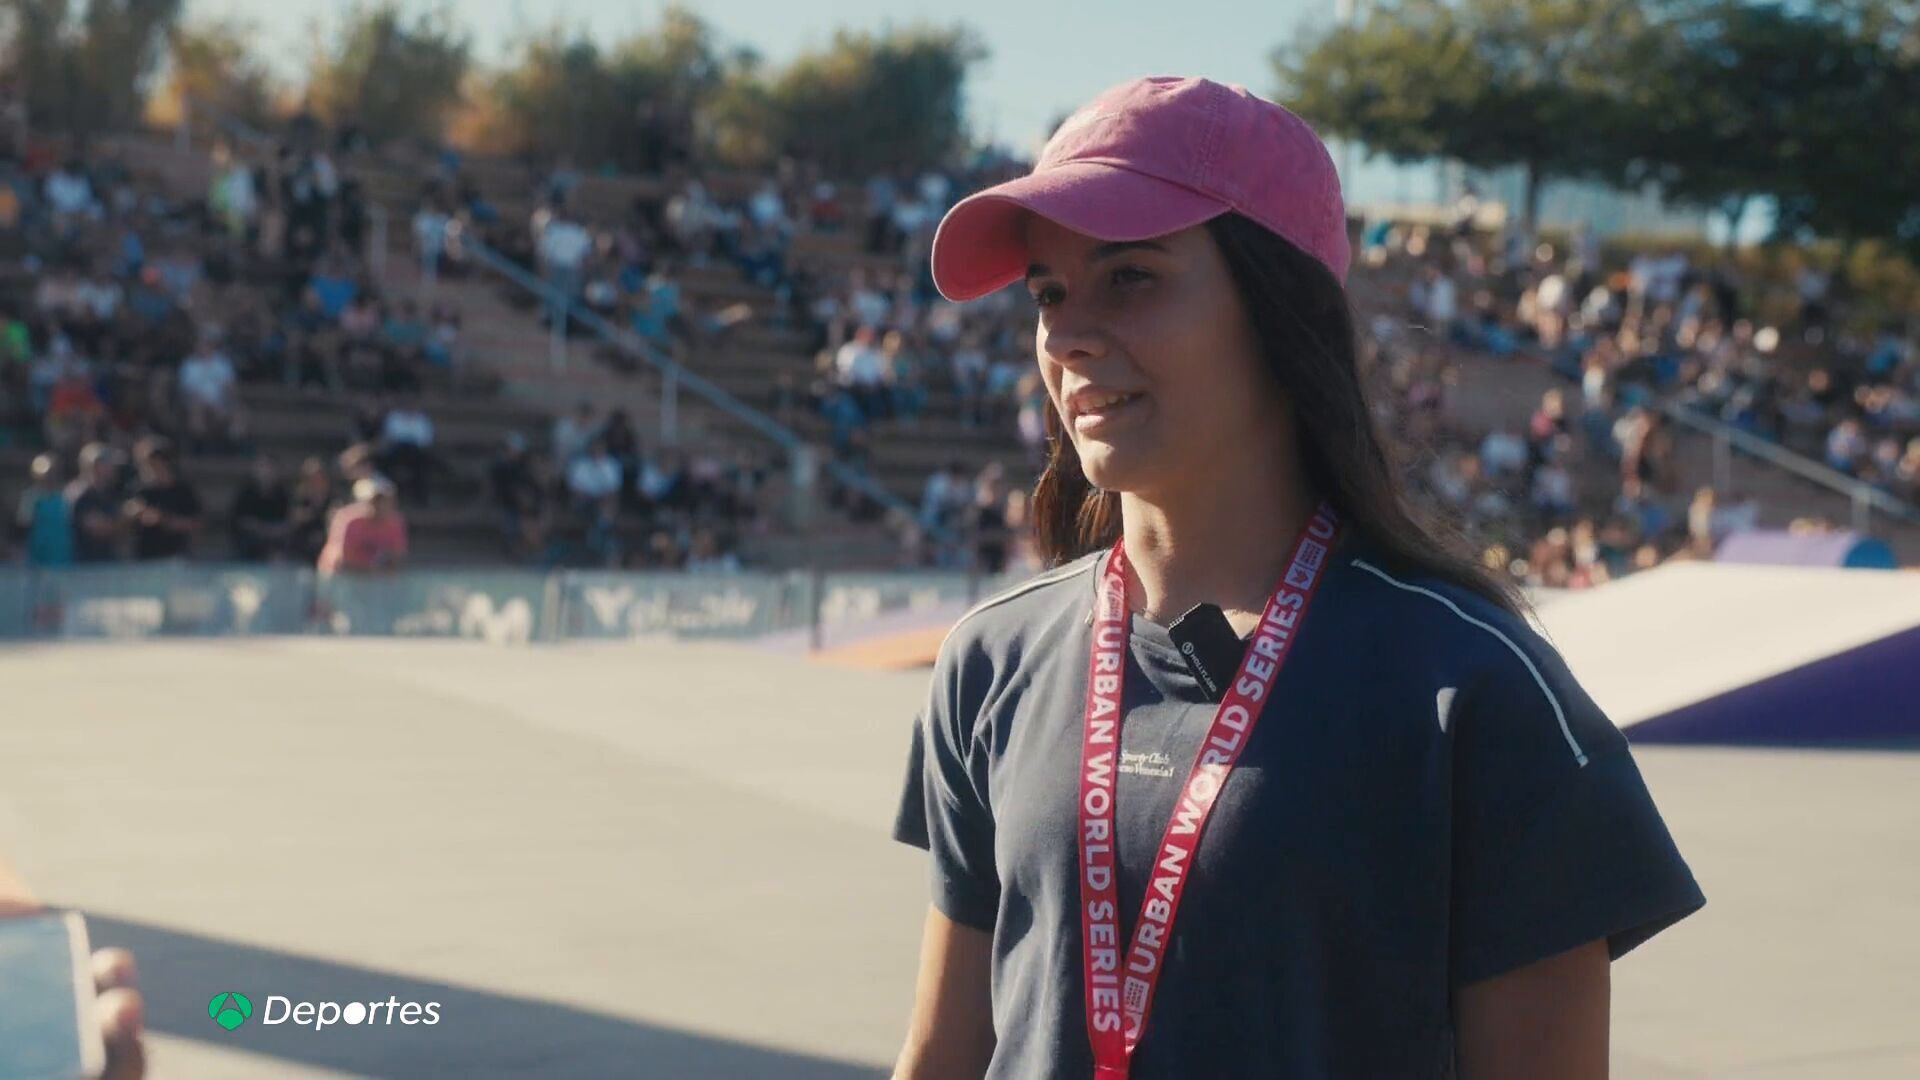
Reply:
x=480, y=1034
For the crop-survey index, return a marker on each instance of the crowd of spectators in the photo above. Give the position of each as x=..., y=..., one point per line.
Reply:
x=129, y=325
x=130, y=322
x=1583, y=490
x=1586, y=488
x=640, y=507
x=599, y=490
x=888, y=351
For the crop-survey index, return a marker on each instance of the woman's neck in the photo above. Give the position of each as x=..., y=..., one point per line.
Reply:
x=1223, y=543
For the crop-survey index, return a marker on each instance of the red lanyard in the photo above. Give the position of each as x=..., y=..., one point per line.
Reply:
x=1119, y=988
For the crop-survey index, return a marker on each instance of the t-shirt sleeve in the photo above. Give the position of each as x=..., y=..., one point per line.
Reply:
x=943, y=803
x=355, y=540
x=1557, y=841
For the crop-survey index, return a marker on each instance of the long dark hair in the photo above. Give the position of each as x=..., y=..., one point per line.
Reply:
x=1305, y=325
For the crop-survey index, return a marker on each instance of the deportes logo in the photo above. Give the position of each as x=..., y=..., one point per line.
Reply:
x=229, y=1010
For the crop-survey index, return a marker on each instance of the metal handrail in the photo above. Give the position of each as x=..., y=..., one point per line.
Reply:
x=1859, y=491
x=675, y=372
x=668, y=367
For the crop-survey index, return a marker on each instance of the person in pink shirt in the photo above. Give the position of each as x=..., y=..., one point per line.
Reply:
x=370, y=534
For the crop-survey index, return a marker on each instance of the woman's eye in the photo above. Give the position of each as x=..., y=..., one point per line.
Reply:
x=1047, y=297
x=1130, y=275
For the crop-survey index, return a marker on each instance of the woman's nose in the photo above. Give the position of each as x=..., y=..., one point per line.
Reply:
x=1070, y=338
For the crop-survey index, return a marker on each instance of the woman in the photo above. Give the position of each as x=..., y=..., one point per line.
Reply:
x=367, y=536
x=1424, y=852
x=312, y=505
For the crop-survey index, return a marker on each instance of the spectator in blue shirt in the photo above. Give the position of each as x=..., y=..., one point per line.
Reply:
x=44, y=517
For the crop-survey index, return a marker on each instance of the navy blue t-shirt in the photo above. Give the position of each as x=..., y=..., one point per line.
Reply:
x=1429, y=799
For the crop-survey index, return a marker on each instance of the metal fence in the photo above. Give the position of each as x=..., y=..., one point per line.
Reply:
x=125, y=601
x=1867, y=500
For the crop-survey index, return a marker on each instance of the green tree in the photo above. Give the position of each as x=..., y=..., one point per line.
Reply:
x=84, y=67
x=868, y=102
x=211, y=65
x=634, y=104
x=740, y=127
x=1852, y=177
x=558, y=97
x=1725, y=103
x=395, y=77
x=1814, y=106
x=673, y=93
x=1491, y=83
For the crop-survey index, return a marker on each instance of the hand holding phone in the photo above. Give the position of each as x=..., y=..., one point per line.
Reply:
x=65, y=1013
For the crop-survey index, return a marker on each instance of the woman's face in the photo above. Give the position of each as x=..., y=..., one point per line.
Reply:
x=1159, y=326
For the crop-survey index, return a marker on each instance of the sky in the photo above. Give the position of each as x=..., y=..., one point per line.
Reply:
x=1045, y=58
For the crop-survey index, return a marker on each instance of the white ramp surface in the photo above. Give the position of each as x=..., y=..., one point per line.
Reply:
x=1667, y=638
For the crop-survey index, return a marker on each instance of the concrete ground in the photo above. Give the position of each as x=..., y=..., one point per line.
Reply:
x=671, y=861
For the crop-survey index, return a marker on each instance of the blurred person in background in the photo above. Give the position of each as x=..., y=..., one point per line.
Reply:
x=564, y=246
x=210, y=397
x=861, y=370
x=96, y=501
x=987, y=524
x=1846, y=445
x=945, y=497
x=369, y=535
x=663, y=484
x=1553, y=483
x=623, y=445
x=906, y=388
x=519, y=498
x=593, y=481
x=164, y=508
x=260, y=517
x=443, y=342
x=405, y=448
x=1646, y=457
x=970, y=378
x=572, y=433
x=430, y=237
x=706, y=555
x=74, y=412
x=310, y=508
x=43, y=518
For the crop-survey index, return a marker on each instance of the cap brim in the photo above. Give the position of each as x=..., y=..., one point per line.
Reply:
x=979, y=247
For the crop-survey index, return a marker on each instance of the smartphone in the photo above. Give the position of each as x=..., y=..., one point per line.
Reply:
x=49, y=1029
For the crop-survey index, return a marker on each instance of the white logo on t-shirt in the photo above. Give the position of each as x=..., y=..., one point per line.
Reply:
x=1443, y=702
x=1146, y=763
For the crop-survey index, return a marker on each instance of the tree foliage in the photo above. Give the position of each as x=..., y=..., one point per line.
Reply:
x=392, y=76
x=1491, y=83
x=1816, y=107
x=1813, y=106
x=211, y=66
x=868, y=102
x=84, y=66
x=863, y=102
x=632, y=105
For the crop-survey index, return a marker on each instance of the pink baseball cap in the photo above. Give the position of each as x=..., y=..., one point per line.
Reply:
x=1144, y=159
